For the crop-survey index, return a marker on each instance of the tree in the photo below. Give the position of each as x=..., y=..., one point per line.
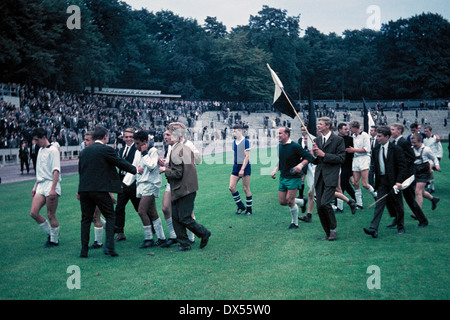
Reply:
x=415, y=56
x=241, y=72
x=273, y=31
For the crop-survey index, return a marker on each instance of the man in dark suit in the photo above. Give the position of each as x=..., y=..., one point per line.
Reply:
x=128, y=185
x=329, y=155
x=409, y=156
x=390, y=171
x=34, y=150
x=97, y=177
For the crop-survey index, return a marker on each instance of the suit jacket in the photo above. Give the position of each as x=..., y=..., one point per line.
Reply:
x=181, y=173
x=129, y=158
x=329, y=166
x=130, y=155
x=97, y=169
x=409, y=155
x=395, y=166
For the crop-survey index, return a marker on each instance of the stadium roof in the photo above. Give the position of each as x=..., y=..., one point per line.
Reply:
x=133, y=92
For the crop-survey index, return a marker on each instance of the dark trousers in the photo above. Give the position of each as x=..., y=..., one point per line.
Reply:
x=88, y=202
x=128, y=193
x=24, y=161
x=325, y=196
x=182, y=209
x=393, y=202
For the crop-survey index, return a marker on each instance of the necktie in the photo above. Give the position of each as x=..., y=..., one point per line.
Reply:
x=125, y=152
x=383, y=167
x=324, y=140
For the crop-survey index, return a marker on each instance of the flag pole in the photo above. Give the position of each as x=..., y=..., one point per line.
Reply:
x=293, y=108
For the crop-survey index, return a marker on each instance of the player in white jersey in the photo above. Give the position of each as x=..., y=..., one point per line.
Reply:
x=47, y=188
x=148, y=183
x=361, y=161
x=434, y=143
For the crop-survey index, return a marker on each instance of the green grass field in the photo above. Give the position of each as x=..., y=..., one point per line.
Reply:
x=253, y=257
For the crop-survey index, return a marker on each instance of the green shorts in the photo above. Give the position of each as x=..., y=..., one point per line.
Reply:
x=289, y=184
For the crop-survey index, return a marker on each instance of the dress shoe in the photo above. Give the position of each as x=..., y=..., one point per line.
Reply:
x=120, y=237
x=205, y=239
x=95, y=245
x=83, y=254
x=423, y=223
x=50, y=244
x=332, y=236
x=401, y=231
x=371, y=231
x=306, y=218
x=352, y=204
x=183, y=248
x=147, y=244
x=159, y=243
x=393, y=224
x=169, y=242
x=110, y=252
x=434, y=202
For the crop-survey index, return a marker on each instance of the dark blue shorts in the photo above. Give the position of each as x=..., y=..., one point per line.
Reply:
x=237, y=168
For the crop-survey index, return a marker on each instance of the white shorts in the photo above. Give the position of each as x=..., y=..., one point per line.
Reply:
x=146, y=189
x=44, y=188
x=310, y=176
x=361, y=163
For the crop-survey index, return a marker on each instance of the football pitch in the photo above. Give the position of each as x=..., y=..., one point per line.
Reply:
x=247, y=258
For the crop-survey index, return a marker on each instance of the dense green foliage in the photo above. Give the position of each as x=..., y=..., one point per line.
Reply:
x=120, y=47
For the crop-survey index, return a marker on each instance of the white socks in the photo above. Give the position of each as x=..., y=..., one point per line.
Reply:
x=157, y=224
x=45, y=226
x=294, y=214
x=148, y=234
x=372, y=191
x=299, y=202
x=169, y=224
x=52, y=232
x=54, y=235
x=98, y=235
x=340, y=204
x=358, y=196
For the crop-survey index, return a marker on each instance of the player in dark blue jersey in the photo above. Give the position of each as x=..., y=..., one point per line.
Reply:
x=241, y=170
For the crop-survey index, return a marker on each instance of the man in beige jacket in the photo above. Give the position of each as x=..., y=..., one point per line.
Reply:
x=181, y=173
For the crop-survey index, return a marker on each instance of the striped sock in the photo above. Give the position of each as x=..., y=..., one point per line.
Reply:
x=249, y=202
x=237, y=199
